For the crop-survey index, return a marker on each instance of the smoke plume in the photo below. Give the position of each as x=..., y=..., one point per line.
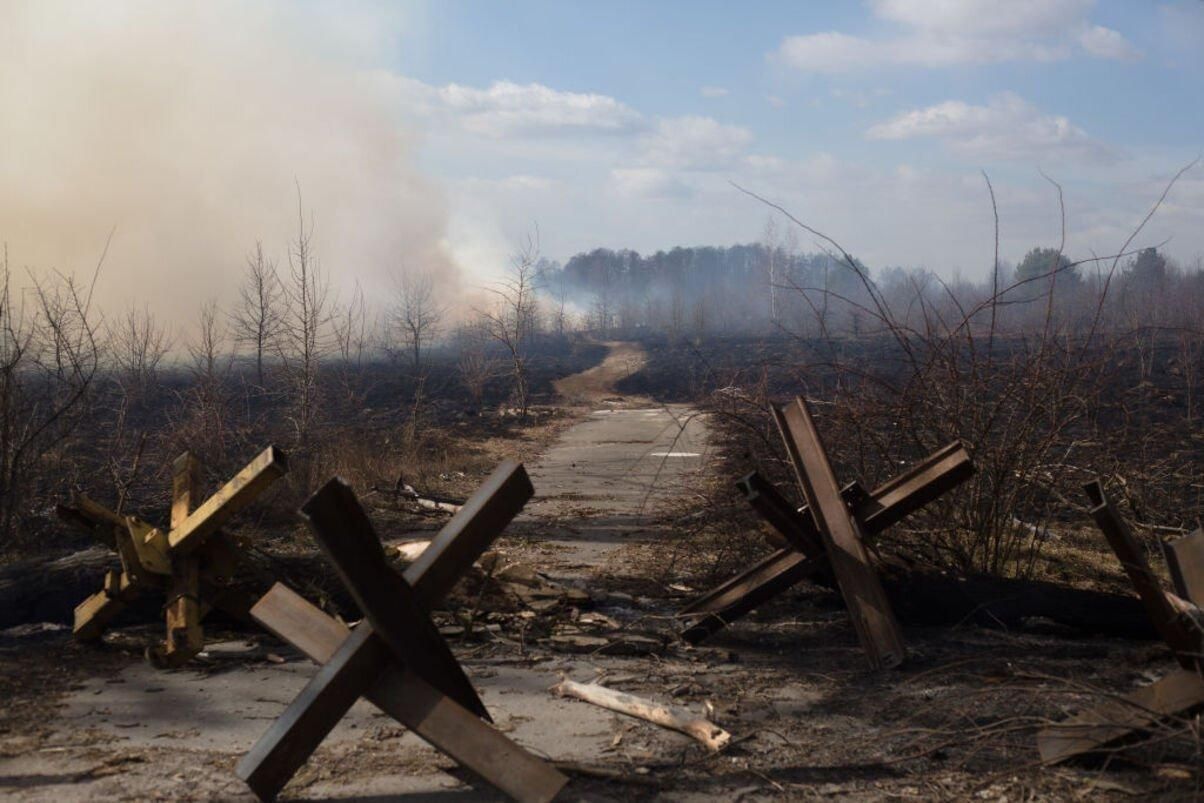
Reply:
x=188, y=128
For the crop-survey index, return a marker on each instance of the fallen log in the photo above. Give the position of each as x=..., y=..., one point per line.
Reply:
x=41, y=590
x=48, y=589
x=681, y=720
x=928, y=597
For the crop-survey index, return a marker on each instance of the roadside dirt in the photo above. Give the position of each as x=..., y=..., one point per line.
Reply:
x=808, y=721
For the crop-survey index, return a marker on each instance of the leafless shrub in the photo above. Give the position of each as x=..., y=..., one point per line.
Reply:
x=475, y=365
x=1024, y=392
x=204, y=428
x=49, y=361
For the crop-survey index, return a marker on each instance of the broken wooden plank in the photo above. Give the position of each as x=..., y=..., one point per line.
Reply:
x=1179, y=693
x=682, y=720
x=93, y=615
x=450, y=728
x=843, y=538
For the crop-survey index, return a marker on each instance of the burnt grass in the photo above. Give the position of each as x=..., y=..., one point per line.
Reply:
x=377, y=422
x=957, y=721
x=962, y=715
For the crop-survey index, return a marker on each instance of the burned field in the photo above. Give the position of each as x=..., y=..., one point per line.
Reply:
x=637, y=614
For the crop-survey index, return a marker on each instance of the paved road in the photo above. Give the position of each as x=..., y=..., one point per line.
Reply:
x=606, y=477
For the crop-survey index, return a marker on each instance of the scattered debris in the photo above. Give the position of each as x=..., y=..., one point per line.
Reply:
x=1175, y=618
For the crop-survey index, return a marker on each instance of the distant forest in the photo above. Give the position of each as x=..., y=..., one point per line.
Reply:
x=760, y=287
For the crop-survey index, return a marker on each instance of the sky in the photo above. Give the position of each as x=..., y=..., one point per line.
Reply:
x=436, y=135
x=625, y=124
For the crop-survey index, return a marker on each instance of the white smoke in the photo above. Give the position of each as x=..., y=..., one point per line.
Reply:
x=187, y=127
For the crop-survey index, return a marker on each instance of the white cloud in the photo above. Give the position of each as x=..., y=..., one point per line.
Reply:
x=507, y=108
x=694, y=143
x=714, y=92
x=1107, y=43
x=984, y=17
x=648, y=183
x=942, y=33
x=1007, y=128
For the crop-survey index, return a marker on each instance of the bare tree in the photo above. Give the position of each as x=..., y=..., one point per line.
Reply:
x=352, y=336
x=139, y=344
x=512, y=319
x=207, y=399
x=475, y=365
x=258, y=318
x=350, y=328
x=303, y=340
x=417, y=314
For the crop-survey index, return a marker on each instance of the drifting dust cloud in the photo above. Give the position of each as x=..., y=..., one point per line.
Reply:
x=188, y=128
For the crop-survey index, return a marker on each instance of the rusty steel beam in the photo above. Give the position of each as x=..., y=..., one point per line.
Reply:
x=1179, y=693
x=450, y=728
x=795, y=525
x=390, y=604
x=1185, y=558
x=393, y=634
x=844, y=538
x=888, y=504
x=745, y=593
x=1183, y=640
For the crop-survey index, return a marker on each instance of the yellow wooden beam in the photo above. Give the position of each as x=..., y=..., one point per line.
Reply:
x=183, y=611
x=259, y=474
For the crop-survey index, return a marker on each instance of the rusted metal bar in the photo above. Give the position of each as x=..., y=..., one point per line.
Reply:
x=796, y=526
x=745, y=593
x=447, y=726
x=1185, y=558
x=469, y=533
x=397, y=633
x=350, y=543
x=1182, y=639
x=1176, y=694
x=844, y=539
x=886, y=505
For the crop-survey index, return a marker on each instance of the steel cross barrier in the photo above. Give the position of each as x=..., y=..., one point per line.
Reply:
x=804, y=547
x=191, y=562
x=1180, y=691
x=396, y=658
